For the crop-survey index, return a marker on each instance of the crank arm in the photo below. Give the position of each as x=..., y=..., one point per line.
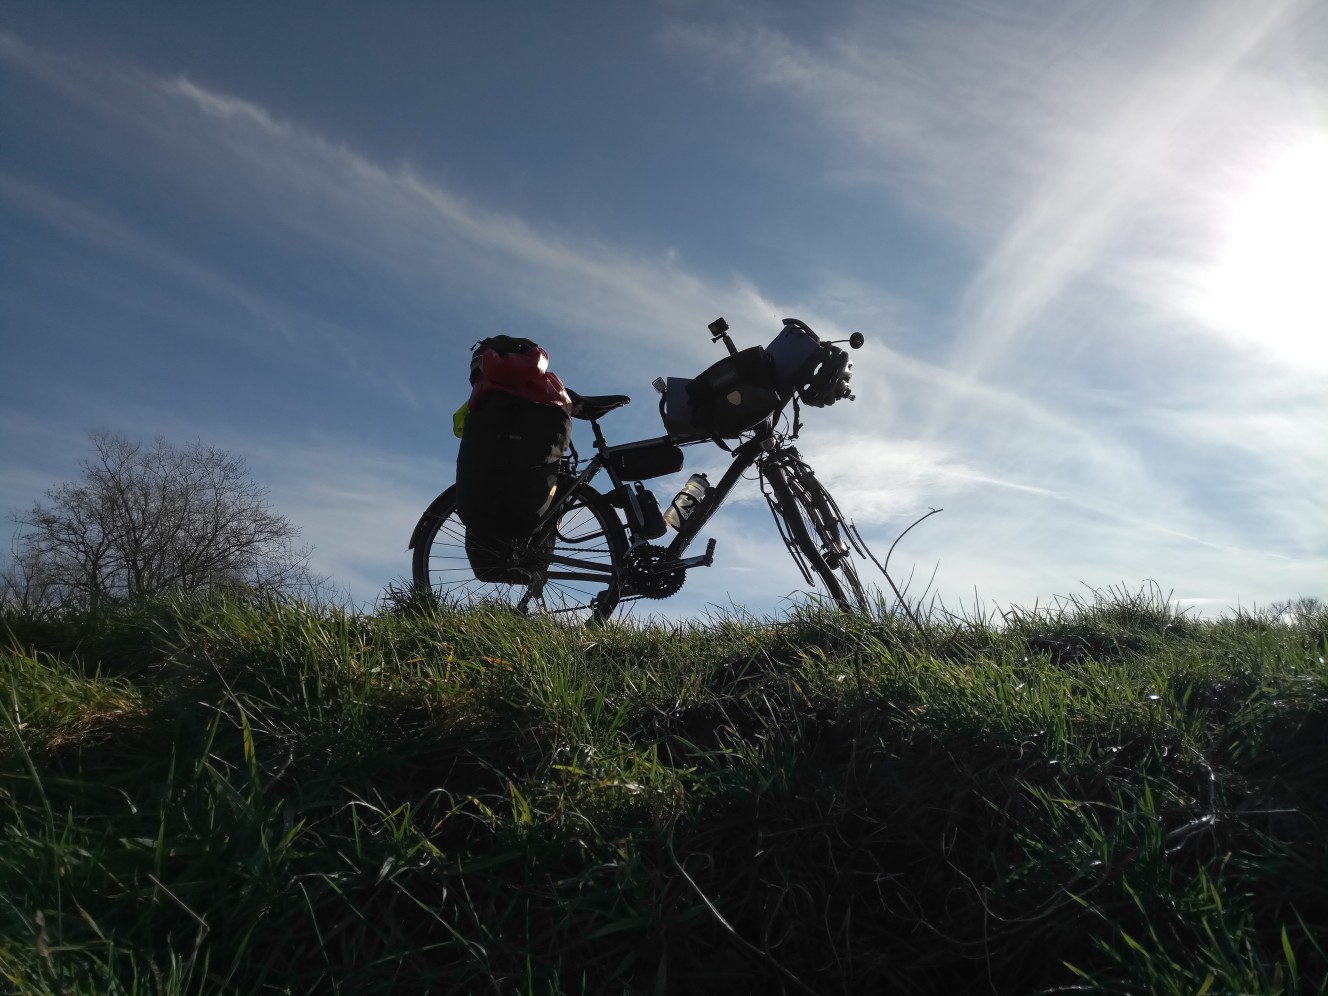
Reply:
x=705, y=560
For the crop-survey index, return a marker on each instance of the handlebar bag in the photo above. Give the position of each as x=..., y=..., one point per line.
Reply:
x=676, y=411
x=735, y=394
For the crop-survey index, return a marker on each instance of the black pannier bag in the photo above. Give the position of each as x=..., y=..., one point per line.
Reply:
x=735, y=394
x=507, y=477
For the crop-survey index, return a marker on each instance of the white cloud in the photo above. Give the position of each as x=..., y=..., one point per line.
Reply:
x=1082, y=156
x=355, y=505
x=1016, y=135
x=243, y=166
x=1051, y=137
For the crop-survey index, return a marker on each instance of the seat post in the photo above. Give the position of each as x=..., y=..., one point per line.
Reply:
x=600, y=442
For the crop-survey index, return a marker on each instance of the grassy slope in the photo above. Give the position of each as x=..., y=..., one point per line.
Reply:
x=205, y=798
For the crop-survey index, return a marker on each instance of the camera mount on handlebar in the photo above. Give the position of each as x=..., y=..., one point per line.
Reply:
x=719, y=329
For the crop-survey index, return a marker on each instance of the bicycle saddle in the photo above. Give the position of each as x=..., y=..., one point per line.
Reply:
x=591, y=407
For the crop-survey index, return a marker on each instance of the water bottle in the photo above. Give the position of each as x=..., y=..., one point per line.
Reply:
x=686, y=500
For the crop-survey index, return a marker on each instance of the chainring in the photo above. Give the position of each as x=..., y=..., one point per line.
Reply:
x=650, y=574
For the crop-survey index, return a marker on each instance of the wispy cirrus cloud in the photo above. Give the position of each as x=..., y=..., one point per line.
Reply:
x=1085, y=158
x=1062, y=143
x=1010, y=132
x=289, y=191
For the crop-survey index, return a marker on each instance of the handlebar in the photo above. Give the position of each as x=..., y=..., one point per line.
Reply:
x=719, y=329
x=755, y=383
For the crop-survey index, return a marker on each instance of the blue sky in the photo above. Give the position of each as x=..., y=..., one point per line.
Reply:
x=1087, y=243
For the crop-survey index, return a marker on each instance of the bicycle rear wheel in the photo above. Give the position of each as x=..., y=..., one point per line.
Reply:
x=814, y=530
x=569, y=572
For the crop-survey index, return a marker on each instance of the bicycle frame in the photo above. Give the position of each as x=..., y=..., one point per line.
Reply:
x=763, y=443
x=601, y=461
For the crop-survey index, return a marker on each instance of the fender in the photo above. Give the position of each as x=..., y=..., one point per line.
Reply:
x=434, y=510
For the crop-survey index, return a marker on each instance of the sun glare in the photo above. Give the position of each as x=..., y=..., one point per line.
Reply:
x=1270, y=285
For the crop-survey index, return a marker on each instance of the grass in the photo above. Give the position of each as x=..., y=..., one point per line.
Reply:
x=203, y=797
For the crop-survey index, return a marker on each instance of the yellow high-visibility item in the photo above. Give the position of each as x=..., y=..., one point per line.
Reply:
x=459, y=419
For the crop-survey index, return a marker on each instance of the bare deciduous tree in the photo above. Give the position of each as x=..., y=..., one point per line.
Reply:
x=150, y=520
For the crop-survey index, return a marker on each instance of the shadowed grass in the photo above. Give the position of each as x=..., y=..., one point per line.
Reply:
x=1109, y=796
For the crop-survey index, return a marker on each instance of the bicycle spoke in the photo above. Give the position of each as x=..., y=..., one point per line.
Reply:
x=570, y=576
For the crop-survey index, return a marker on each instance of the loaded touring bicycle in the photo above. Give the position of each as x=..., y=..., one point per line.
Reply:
x=595, y=548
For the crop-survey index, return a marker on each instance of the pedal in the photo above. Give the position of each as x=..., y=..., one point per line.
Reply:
x=705, y=560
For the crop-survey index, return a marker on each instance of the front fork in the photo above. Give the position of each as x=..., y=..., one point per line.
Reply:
x=824, y=516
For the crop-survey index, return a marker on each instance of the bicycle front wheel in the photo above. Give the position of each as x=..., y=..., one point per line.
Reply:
x=569, y=571
x=815, y=532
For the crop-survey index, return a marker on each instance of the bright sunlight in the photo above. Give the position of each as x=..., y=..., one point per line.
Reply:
x=1270, y=285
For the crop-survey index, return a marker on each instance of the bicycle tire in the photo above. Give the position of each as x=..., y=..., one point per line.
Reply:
x=578, y=583
x=815, y=526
